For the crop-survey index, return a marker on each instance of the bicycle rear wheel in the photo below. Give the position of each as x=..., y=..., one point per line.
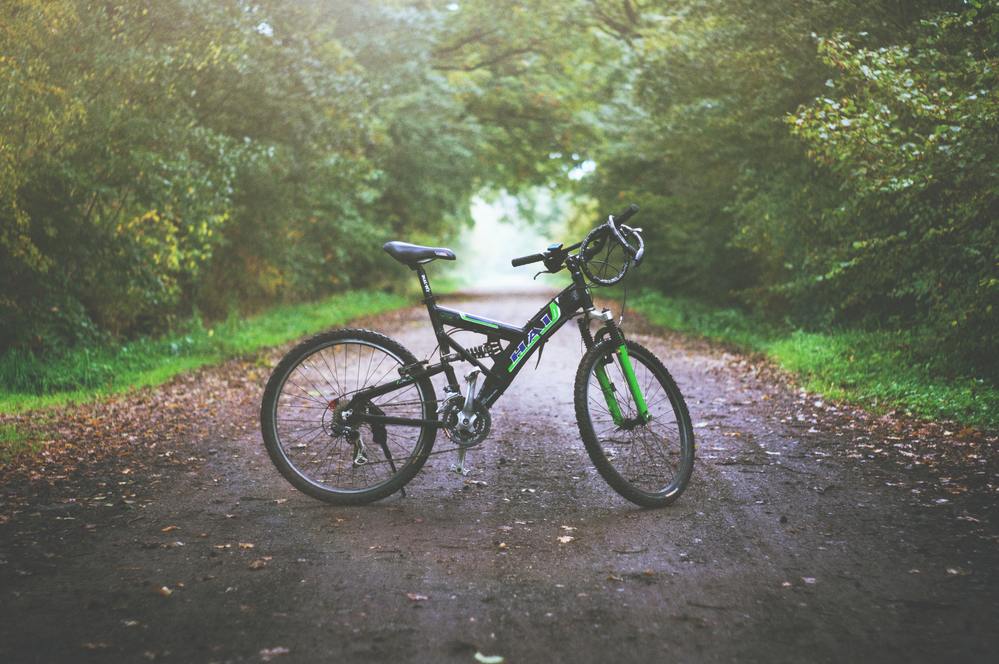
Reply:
x=647, y=460
x=299, y=418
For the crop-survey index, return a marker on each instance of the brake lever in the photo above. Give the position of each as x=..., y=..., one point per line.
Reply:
x=546, y=272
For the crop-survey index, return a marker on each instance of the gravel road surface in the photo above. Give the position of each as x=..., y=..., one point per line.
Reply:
x=786, y=547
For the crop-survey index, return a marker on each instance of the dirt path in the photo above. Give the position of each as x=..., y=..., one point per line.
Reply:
x=785, y=547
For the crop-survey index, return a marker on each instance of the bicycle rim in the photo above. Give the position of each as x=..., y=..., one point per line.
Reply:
x=309, y=391
x=649, y=463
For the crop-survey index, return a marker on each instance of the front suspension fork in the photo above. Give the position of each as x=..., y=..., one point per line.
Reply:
x=606, y=386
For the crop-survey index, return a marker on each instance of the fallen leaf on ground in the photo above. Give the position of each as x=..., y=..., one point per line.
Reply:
x=245, y=545
x=568, y=528
x=267, y=654
x=565, y=539
x=417, y=597
x=488, y=659
x=164, y=591
x=91, y=645
x=169, y=529
x=259, y=563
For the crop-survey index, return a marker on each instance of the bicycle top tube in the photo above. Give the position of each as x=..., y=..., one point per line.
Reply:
x=480, y=324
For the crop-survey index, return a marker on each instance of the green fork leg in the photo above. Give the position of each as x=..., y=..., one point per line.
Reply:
x=636, y=390
x=608, y=390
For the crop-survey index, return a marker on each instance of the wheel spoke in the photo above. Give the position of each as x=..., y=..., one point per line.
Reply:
x=648, y=462
x=310, y=433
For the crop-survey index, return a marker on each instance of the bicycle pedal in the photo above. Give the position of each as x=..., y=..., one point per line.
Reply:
x=459, y=469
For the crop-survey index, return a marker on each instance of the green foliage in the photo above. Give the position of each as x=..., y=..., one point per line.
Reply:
x=824, y=162
x=171, y=155
x=913, y=133
x=80, y=374
x=879, y=369
x=14, y=443
x=820, y=164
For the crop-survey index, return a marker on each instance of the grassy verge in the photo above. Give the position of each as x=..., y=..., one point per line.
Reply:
x=879, y=370
x=86, y=374
x=13, y=443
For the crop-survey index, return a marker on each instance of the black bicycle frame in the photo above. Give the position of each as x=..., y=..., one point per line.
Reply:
x=520, y=344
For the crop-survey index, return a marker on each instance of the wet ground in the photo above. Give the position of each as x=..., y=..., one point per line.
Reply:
x=789, y=545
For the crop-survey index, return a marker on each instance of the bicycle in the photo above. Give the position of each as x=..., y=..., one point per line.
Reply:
x=350, y=416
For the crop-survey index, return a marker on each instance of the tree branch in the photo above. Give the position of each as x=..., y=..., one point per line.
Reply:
x=489, y=62
x=461, y=43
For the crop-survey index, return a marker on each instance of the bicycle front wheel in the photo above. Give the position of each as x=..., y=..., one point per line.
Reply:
x=645, y=451
x=302, y=426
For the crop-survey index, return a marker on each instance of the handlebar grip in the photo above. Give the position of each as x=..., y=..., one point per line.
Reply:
x=525, y=260
x=626, y=215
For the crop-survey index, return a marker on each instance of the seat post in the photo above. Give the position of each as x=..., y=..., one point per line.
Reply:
x=428, y=295
x=435, y=320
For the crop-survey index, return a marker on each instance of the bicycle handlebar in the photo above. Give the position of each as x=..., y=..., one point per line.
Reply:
x=612, y=222
x=640, y=252
x=626, y=215
x=526, y=260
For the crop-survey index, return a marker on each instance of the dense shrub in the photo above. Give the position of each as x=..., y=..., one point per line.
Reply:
x=157, y=157
x=826, y=163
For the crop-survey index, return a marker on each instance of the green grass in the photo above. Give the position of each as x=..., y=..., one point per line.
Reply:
x=85, y=374
x=877, y=369
x=14, y=443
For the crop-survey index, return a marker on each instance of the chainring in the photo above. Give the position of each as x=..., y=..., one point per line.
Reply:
x=480, y=426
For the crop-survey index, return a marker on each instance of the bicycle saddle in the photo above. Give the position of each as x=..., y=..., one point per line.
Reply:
x=411, y=254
